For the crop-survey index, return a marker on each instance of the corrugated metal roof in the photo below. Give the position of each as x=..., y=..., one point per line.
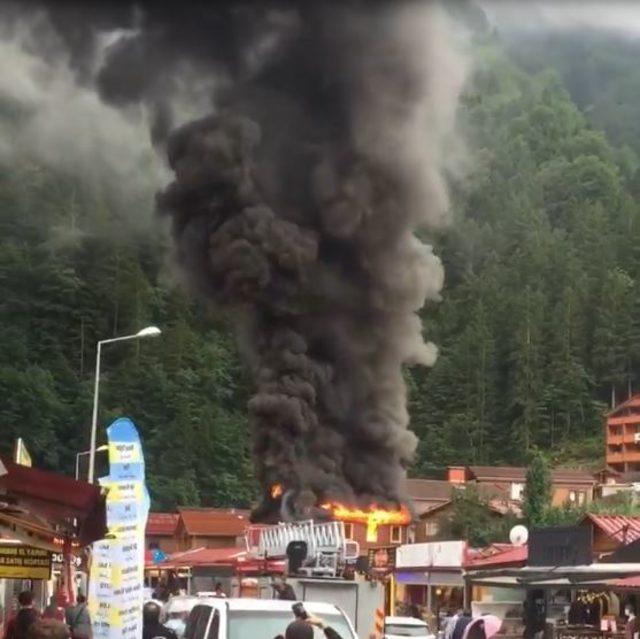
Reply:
x=622, y=529
x=500, y=555
x=203, y=557
x=162, y=524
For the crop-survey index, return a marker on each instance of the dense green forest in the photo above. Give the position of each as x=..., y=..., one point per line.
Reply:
x=538, y=329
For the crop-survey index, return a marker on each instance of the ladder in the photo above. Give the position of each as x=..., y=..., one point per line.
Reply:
x=327, y=547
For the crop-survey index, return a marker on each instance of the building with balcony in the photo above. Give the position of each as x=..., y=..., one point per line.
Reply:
x=623, y=436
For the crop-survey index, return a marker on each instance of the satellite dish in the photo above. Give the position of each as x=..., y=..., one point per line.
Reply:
x=519, y=535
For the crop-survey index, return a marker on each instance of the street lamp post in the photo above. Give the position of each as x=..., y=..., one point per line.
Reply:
x=150, y=331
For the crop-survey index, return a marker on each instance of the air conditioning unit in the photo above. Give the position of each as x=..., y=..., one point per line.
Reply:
x=636, y=438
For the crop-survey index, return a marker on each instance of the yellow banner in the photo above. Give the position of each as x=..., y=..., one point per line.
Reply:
x=25, y=562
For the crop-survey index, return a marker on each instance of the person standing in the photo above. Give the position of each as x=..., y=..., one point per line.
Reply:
x=79, y=620
x=26, y=616
x=284, y=590
x=53, y=610
x=218, y=592
x=151, y=626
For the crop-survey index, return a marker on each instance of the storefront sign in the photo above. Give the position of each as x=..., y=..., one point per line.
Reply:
x=382, y=560
x=25, y=562
x=560, y=546
x=58, y=560
x=443, y=554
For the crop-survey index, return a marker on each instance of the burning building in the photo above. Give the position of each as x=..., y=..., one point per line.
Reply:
x=301, y=207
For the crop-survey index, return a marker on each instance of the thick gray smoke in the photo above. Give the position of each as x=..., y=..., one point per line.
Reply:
x=295, y=207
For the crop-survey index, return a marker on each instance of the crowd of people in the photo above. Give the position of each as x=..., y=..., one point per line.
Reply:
x=54, y=622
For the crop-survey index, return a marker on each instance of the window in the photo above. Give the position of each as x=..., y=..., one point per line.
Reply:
x=431, y=528
x=215, y=625
x=248, y=624
x=396, y=534
x=197, y=623
x=582, y=498
x=516, y=491
x=348, y=531
x=572, y=496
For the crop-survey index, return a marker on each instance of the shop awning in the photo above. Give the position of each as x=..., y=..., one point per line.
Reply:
x=549, y=576
x=627, y=583
x=55, y=498
x=199, y=557
x=235, y=558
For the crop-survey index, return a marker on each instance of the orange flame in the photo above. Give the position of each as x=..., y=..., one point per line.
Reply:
x=276, y=491
x=373, y=516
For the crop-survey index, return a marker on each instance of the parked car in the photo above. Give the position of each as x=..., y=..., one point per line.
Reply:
x=400, y=627
x=258, y=619
x=176, y=611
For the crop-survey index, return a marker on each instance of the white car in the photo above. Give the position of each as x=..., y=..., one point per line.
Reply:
x=176, y=611
x=400, y=627
x=258, y=619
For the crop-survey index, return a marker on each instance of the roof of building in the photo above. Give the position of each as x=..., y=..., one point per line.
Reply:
x=519, y=474
x=428, y=489
x=623, y=529
x=200, y=557
x=498, y=555
x=632, y=402
x=214, y=522
x=162, y=524
x=55, y=498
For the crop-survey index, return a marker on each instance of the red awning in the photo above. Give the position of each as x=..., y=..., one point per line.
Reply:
x=626, y=583
x=200, y=557
x=56, y=498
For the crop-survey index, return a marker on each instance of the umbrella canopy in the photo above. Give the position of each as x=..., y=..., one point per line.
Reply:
x=491, y=625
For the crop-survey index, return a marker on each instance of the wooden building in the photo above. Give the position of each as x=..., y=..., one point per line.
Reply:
x=210, y=527
x=622, y=434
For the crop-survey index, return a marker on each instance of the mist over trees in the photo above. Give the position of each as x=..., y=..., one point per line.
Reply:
x=538, y=328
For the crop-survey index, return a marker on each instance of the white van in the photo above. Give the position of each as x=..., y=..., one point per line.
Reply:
x=258, y=619
x=401, y=627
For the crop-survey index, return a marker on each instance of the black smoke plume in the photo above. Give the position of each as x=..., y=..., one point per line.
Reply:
x=295, y=206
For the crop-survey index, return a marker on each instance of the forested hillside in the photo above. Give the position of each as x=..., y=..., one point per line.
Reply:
x=538, y=329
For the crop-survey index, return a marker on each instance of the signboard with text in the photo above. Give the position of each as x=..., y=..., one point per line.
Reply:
x=382, y=560
x=436, y=554
x=25, y=562
x=117, y=568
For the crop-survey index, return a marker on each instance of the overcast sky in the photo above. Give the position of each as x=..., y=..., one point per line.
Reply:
x=615, y=15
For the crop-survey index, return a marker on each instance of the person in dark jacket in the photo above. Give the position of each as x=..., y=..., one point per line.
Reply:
x=463, y=621
x=476, y=630
x=284, y=590
x=151, y=626
x=26, y=616
x=303, y=629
